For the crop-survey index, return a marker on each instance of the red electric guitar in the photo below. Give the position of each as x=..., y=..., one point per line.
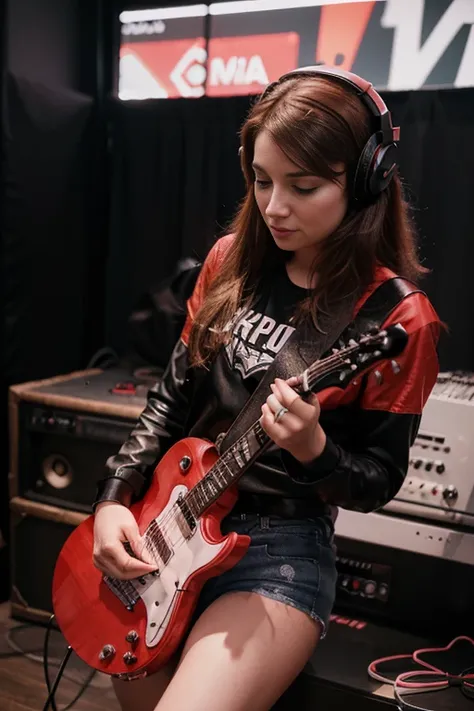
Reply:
x=131, y=628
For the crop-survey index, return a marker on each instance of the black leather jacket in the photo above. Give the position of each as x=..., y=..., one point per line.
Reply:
x=369, y=427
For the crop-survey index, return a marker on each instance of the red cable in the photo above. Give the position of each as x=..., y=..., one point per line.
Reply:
x=429, y=677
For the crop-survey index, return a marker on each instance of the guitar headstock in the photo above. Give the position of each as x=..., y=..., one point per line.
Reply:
x=390, y=341
x=349, y=361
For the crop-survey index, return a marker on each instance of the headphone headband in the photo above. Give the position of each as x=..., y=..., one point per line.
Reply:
x=377, y=162
x=363, y=88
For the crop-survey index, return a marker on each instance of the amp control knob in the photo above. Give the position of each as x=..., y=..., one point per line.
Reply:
x=450, y=493
x=370, y=588
x=440, y=467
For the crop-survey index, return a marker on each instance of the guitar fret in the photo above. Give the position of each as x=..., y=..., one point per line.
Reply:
x=200, y=496
x=206, y=488
x=242, y=454
x=223, y=482
x=212, y=487
x=229, y=480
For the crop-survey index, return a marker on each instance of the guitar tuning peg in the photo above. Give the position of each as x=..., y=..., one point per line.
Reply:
x=335, y=350
x=353, y=342
x=378, y=377
x=395, y=366
x=353, y=366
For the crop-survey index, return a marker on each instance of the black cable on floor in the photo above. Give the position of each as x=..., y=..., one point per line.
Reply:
x=51, y=702
x=18, y=652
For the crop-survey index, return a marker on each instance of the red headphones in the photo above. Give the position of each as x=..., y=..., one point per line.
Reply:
x=378, y=161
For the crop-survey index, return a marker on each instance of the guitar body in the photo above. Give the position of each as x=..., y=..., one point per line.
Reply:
x=132, y=628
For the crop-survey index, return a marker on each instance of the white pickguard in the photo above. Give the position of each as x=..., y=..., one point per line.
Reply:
x=159, y=593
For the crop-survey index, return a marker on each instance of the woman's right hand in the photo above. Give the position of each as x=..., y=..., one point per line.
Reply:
x=113, y=525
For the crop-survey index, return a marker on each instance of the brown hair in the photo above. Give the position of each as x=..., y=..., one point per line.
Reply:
x=317, y=123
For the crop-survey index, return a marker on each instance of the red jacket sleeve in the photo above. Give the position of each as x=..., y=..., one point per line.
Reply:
x=210, y=267
x=407, y=391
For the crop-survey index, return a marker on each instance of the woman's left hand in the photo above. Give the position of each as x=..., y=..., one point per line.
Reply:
x=297, y=428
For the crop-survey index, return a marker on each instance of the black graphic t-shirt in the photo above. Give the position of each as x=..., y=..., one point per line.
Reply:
x=261, y=332
x=258, y=335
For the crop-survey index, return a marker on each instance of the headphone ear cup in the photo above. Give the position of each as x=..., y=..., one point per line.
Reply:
x=375, y=169
x=361, y=189
x=384, y=168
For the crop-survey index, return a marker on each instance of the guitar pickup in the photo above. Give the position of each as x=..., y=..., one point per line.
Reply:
x=185, y=520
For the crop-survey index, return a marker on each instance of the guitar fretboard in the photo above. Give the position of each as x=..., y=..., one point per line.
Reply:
x=228, y=469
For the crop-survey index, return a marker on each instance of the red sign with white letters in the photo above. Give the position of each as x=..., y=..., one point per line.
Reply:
x=177, y=68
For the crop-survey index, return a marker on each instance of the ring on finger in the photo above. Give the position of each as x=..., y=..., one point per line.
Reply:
x=280, y=413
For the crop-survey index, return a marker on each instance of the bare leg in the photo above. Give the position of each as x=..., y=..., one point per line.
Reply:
x=241, y=655
x=144, y=694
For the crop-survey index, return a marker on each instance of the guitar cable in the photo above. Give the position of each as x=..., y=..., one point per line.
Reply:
x=52, y=688
x=427, y=678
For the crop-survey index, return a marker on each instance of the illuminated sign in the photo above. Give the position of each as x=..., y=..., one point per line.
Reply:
x=395, y=44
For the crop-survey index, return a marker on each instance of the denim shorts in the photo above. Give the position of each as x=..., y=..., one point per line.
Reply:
x=292, y=561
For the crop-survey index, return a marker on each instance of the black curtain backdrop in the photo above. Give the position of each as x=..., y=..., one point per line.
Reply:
x=4, y=551
x=436, y=159
x=48, y=233
x=55, y=75
x=177, y=183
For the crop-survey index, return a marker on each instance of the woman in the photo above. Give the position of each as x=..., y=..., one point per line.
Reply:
x=323, y=224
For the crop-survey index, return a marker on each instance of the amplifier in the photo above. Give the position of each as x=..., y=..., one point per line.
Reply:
x=440, y=481
x=63, y=430
x=38, y=532
x=405, y=572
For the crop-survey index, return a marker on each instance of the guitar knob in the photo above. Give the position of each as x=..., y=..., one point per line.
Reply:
x=132, y=637
x=129, y=658
x=107, y=652
x=185, y=463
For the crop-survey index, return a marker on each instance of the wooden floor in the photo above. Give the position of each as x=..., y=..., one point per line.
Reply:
x=22, y=686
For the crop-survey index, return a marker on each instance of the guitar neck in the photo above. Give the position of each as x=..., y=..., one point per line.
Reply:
x=242, y=454
x=228, y=469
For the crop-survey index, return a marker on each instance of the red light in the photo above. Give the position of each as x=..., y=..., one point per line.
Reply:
x=356, y=584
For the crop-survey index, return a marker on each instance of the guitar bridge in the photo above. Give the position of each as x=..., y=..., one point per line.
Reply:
x=124, y=590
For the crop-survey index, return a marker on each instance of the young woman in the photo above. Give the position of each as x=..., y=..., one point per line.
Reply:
x=323, y=223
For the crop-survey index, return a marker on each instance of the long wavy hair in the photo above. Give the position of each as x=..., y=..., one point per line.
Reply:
x=317, y=123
